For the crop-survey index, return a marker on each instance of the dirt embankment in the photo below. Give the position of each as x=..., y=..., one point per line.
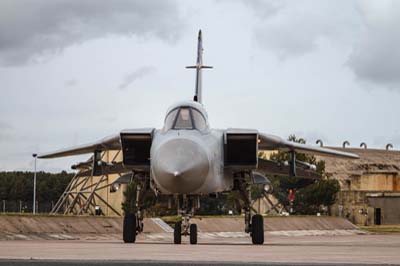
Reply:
x=292, y=223
x=91, y=227
x=59, y=227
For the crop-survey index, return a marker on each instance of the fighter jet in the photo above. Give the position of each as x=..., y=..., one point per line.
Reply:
x=187, y=159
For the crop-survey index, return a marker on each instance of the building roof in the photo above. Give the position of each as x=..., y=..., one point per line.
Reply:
x=371, y=161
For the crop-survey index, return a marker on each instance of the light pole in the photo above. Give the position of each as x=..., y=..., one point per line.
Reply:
x=34, y=184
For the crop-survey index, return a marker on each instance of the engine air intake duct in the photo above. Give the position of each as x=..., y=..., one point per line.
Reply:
x=136, y=146
x=241, y=148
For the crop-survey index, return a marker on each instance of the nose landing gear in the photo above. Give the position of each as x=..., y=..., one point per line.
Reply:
x=178, y=233
x=186, y=208
x=193, y=234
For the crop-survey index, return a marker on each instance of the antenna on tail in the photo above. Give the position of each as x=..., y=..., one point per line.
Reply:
x=199, y=66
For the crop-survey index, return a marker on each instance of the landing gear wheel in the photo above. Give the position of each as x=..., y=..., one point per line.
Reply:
x=129, y=228
x=257, y=229
x=177, y=233
x=193, y=234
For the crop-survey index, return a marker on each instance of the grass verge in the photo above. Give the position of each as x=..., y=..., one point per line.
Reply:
x=382, y=228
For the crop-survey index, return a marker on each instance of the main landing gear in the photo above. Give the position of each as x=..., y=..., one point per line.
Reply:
x=133, y=225
x=257, y=229
x=129, y=228
x=186, y=207
x=254, y=224
x=133, y=222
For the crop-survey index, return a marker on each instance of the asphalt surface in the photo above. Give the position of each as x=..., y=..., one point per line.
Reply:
x=161, y=263
x=301, y=250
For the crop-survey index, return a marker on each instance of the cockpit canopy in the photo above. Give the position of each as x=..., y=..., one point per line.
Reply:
x=185, y=117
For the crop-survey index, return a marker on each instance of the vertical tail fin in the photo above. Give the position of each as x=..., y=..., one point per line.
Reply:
x=199, y=66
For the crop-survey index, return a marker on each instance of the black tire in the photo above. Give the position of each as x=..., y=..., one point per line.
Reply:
x=177, y=233
x=193, y=234
x=129, y=228
x=257, y=229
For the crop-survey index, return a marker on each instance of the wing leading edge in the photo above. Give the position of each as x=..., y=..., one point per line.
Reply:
x=271, y=142
x=108, y=143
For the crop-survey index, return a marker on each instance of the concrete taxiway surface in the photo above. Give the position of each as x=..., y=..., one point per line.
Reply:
x=300, y=250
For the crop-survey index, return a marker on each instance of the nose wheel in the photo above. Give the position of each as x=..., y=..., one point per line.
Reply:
x=186, y=207
x=178, y=233
x=193, y=234
x=185, y=230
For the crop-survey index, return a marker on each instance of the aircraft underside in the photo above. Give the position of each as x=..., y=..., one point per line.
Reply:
x=187, y=205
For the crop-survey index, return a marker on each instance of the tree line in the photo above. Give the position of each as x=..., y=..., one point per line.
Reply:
x=18, y=186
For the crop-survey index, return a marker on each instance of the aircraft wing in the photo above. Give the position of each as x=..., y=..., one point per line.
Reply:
x=268, y=167
x=108, y=143
x=271, y=142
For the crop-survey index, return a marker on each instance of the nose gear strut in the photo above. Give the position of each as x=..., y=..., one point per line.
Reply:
x=186, y=208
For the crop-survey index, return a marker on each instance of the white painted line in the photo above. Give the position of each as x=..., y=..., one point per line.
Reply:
x=164, y=226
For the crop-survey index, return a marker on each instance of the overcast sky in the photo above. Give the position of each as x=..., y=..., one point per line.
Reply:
x=75, y=71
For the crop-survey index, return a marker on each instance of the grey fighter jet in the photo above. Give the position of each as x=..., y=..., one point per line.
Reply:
x=187, y=159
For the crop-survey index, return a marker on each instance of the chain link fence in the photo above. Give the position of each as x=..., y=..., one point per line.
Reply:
x=19, y=206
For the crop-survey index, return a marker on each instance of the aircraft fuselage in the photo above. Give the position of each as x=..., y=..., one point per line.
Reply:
x=188, y=162
x=186, y=155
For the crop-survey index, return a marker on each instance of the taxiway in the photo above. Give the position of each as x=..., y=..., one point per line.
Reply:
x=278, y=250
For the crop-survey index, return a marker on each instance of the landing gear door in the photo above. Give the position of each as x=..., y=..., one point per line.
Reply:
x=136, y=144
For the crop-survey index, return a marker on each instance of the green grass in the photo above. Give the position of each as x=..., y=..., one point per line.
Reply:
x=382, y=228
x=167, y=219
x=173, y=219
x=27, y=214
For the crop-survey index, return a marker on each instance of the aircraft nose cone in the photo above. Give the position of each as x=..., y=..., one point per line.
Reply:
x=180, y=166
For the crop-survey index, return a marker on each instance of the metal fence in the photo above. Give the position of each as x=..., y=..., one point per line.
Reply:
x=20, y=206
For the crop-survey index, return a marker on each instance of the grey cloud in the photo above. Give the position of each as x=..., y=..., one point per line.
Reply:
x=35, y=29
x=376, y=57
x=135, y=75
x=294, y=28
x=264, y=9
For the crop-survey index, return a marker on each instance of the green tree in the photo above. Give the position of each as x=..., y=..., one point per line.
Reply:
x=129, y=205
x=18, y=186
x=310, y=194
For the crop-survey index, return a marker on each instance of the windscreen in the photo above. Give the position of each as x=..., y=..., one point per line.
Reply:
x=184, y=119
x=199, y=121
x=169, y=121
